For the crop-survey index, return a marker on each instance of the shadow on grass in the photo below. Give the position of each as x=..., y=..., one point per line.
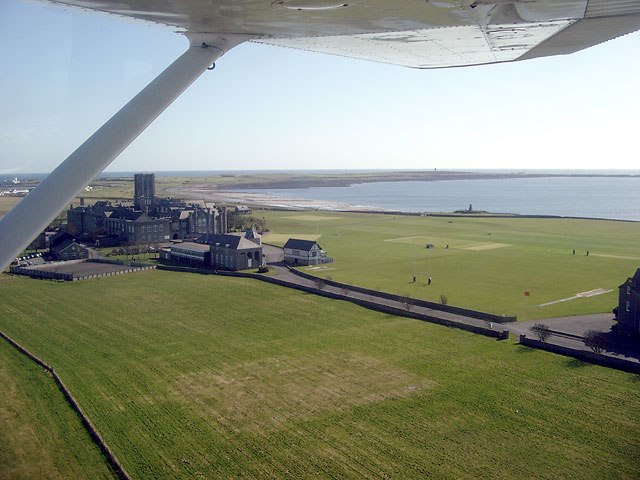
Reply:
x=575, y=363
x=525, y=349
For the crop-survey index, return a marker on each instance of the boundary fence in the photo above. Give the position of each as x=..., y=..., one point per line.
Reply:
x=422, y=303
x=488, y=332
x=91, y=430
x=585, y=355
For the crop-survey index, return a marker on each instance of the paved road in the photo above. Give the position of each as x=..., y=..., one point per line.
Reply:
x=574, y=326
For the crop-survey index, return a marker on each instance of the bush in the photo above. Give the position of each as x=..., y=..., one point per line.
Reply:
x=444, y=299
x=541, y=331
x=263, y=269
x=595, y=340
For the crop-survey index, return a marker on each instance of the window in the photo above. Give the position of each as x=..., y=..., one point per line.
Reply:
x=628, y=306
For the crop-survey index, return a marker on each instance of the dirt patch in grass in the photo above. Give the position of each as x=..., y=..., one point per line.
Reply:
x=485, y=246
x=267, y=393
x=311, y=218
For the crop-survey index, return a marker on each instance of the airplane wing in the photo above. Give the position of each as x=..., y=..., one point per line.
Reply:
x=413, y=33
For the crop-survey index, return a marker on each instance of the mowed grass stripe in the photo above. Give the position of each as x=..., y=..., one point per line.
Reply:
x=288, y=384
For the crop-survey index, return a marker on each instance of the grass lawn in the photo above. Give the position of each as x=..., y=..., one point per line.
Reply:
x=489, y=264
x=40, y=436
x=190, y=376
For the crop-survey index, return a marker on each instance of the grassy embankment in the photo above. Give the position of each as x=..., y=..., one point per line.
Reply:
x=190, y=376
x=489, y=264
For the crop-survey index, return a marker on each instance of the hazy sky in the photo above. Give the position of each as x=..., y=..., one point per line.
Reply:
x=65, y=72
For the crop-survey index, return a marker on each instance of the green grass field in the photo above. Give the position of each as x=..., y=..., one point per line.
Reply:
x=190, y=376
x=489, y=264
x=40, y=436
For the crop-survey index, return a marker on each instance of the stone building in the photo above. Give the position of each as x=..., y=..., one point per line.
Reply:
x=68, y=249
x=304, y=252
x=88, y=222
x=144, y=188
x=628, y=309
x=134, y=227
x=228, y=252
x=190, y=253
x=233, y=252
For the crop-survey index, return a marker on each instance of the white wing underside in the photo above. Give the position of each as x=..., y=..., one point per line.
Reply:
x=413, y=33
x=435, y=47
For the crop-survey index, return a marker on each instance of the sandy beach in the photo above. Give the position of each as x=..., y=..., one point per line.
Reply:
x=264, y=200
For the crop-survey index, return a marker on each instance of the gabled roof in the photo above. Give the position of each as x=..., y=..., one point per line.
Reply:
x=60, y=237
x=298, y=244
x=231, y=241
x=60, y=247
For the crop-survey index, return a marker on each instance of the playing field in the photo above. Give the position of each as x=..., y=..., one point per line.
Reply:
x=481, y=263
x=190, y=376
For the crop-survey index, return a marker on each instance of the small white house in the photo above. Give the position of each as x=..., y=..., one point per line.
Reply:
x=304, y=252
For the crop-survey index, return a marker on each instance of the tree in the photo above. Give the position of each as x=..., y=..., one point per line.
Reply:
x=542, y=331
x=595, y=340
x=408, y=303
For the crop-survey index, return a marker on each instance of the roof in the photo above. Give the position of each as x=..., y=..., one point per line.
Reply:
x=60, y=237
x=635, y=281
x=61, y=246
x=232, y=241
x=126, y=214
x=298, y=244
x=251, y=233
x=196, y=247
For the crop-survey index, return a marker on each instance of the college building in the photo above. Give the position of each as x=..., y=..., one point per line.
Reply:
x=219, y=251
x=149, y=220
x=628, y=309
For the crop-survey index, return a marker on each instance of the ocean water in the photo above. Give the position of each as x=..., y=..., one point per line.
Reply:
x=594, y=197
x=615, y=197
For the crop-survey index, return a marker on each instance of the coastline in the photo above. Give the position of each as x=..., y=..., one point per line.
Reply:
x=269, y=201
x=296, y=180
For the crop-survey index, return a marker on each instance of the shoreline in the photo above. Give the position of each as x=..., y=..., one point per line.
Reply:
x=272, y=202
x=294, y=180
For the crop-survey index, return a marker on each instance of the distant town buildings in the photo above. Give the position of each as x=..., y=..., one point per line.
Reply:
x=628, y=309
x=304, y=252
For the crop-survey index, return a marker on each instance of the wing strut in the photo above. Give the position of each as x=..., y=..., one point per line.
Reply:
x=34, y=212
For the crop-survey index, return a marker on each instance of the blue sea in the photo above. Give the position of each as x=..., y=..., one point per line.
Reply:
x=593, y=197
x=607, y=196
